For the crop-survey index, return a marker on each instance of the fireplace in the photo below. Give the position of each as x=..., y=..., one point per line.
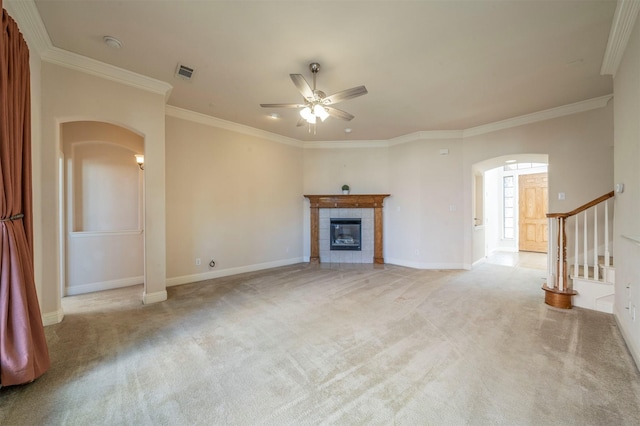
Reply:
x=369, y=205
x=345, y=234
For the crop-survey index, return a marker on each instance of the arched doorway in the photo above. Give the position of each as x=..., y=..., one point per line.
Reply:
x=502, y=209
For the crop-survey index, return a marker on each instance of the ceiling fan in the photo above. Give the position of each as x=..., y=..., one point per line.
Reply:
x=316, y=102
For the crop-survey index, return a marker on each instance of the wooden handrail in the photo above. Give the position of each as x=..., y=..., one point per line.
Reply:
x=583, y=207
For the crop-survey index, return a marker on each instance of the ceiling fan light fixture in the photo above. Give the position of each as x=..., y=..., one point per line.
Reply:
x=315, y=100
x=320, y=112
x=306, y=113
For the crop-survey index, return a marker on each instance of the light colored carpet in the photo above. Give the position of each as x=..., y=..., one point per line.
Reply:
x=333, y=344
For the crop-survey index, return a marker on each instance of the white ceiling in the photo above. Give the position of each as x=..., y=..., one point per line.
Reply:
x=428, y=65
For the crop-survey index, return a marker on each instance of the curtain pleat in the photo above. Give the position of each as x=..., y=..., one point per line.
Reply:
x=23, y=347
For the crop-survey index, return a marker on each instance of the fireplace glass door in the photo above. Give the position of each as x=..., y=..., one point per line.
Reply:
x=345, y=234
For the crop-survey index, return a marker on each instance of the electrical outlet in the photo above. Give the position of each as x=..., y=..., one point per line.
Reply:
x=198, y=261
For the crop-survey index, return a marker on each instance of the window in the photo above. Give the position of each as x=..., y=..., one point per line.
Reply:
x=508, y=184
x=478, y=205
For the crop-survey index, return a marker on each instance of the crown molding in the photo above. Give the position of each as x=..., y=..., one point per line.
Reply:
x=31, y=26
x=411, y=137
x=26, y=14
x=34, y=31
x=535, y=117
x=426, y=135
x=346, y=144
x=624, y=19
x=90, y=66
x=208, y=120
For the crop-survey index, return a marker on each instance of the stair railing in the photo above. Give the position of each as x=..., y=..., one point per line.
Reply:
x=557, y=243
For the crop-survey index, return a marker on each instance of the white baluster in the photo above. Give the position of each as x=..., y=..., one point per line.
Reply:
x=595, y=243
x=551, y=254
x=576, y=256
x=606, y=233
x=585, y=247
x=561, y=255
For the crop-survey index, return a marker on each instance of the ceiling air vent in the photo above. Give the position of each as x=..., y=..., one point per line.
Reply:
x=184, y=72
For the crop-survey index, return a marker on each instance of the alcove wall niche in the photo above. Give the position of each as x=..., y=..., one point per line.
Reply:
x=102, y=207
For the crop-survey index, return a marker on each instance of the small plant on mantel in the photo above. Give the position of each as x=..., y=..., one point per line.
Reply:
x=345, y=189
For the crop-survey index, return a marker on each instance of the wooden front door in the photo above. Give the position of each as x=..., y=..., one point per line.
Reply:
x=533, y=206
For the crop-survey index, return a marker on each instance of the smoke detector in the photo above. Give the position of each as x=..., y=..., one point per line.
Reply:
x=112, y=42
x=184, y=72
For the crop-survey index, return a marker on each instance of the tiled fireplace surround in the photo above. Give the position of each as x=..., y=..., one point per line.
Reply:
x=365, y=255
x=368, y=207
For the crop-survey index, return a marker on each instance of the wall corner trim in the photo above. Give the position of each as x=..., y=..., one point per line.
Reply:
x=156, y=297
x=624, y=19
x=51, y=318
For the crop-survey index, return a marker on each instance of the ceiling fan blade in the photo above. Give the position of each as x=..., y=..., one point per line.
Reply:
x=302, y=86
x=345, y=94
x=282, y=106
x=338, y=113
x=301, y=122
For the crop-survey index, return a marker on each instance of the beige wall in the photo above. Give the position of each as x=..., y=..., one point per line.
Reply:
x=231, y=197
x=424, y=214
x=67, y=96
x=429, y=216
x=365, y=170
x=579, y=149
x=627, y=204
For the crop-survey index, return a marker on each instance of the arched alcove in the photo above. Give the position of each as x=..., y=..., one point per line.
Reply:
x=102, y=218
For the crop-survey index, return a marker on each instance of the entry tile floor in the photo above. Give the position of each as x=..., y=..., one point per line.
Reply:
x=520, y=259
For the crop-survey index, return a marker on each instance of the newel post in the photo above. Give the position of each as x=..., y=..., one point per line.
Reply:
x=563, y=277
x=556, y=293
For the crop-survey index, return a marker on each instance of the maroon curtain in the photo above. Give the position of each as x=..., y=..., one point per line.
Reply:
x=23, y=347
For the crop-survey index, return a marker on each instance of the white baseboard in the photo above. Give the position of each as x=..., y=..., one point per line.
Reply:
x=627, y=336
x=479, y=261
x=155, y=297
x=50, y=318
x=103, y=285
x=186, y=279
x=425, y=265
